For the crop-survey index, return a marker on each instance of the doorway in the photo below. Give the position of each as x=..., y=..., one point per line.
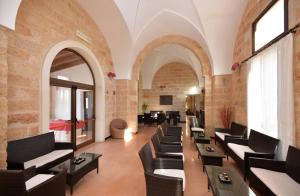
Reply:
x=72, y=99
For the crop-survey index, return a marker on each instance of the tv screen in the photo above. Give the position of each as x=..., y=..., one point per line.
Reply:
x=166, y=100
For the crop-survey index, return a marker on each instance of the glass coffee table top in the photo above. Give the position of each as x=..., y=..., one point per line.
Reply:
x=71, y=167
x=237, y=187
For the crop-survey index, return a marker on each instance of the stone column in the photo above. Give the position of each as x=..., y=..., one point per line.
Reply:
x=3, y=96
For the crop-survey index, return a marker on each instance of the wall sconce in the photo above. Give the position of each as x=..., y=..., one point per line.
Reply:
x=111, y=75
x=162, y=86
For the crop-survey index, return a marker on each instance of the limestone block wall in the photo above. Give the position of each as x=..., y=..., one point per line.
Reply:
x=41, y=24
x=243, y=49
x=3, y=96
x=178, y=79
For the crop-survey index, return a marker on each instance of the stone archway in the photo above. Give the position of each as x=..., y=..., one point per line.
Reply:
x=132, y=92
x=88, y=55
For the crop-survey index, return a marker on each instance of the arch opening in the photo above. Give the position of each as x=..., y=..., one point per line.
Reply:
x=99, y=85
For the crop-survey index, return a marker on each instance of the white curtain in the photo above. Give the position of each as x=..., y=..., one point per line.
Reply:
x=286, y=115
x=262, y=93
x=270, y=94
x=63, y=103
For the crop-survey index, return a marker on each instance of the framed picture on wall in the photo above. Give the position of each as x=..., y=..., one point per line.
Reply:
x=166, y=100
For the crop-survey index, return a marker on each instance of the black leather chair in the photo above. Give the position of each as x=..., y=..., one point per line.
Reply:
x=170, y=130
x=258, y=145
x=161, y=117
x=269, y=177
x=163, y=150
x=148, y=120
x=167, y=139
x=235, y=130
x=163, y=176
x=28, y=183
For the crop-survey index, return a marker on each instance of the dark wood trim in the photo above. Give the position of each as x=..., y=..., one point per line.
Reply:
x=66, y=65
x=73, y=116
x=69, y=84
x=292, y=30
x=286, y=25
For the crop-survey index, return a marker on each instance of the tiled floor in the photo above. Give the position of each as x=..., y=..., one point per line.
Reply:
x=121, y=171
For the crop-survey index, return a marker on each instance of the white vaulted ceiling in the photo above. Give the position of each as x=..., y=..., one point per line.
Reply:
x=129, y=25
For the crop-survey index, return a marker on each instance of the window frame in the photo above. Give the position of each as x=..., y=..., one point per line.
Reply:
x=286, y=26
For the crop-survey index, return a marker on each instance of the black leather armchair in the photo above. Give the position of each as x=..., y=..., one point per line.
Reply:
x=290, y=167
x=160, y=180
x=170, y=130
x=26, y=183
x=166, y=150
x=258, y=145
x=167, y=139
x=236, y=130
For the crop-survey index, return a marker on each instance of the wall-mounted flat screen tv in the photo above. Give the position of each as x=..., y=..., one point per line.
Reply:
x=166, y=100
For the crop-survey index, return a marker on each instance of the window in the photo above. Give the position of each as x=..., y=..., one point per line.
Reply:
x=270, y=24
x=262, y=93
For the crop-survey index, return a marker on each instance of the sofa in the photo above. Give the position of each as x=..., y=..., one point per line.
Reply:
x=163, y=176
x=235, y=130
x=273, y=177
x=28, y=183
x=258, y=145
x=40, y=151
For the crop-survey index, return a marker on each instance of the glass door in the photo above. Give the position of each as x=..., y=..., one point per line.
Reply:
x=85, y=118
x=60, y=113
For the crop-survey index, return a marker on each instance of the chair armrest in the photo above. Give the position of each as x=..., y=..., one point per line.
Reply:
x=174, y=133
x=163, y=185
x=55, y=186
x=222, y=130
x=165, y=163
x=170, y=143
x=166, y=155
x=259, y=155
x=269, y=164
x=170, y=148
x=179, y=129
x=15, y=165
x=234, y=140
x=172, y=138
x=29, y=173
x=64, y=145
x=234, y=137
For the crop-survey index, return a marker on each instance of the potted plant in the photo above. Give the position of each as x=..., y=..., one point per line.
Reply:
x=145, y=107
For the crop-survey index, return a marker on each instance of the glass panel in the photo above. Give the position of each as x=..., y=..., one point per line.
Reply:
x=270, y=25
x=84, y=115
x=60, y=113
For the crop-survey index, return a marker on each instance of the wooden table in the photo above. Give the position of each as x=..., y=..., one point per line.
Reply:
x=210, y=158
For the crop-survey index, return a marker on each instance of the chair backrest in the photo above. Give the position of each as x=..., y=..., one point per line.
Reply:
x=155, y=142
x=161, y=117
x=12, y=182
x=30, y=148
x=262, y=143
x=164, y=127
x=146, y=157
x=118, y=123
x=293, y=163
x=238, y=129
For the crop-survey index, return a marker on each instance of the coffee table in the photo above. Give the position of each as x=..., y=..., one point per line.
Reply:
x=76, y=171
x=237, y=187
x=210, y=158
x=200, y=137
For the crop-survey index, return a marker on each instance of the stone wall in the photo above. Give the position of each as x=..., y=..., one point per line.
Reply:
x=3, y=96
x=41, y=24
x=178, y=79
x=243, y=49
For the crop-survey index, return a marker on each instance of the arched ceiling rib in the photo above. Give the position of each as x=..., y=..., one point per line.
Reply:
x=128, y=25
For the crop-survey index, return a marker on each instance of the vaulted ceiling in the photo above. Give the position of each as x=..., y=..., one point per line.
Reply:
x=129, y=25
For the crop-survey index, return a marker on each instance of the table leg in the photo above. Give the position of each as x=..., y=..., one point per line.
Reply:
x=71, y=189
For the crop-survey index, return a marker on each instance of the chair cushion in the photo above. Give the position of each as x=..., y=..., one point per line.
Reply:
x=42, y=160
x=221, y=135
x=172, y=173
x=177, y=153
x=36, y=180
x=279, y=183
x=239, y=150
x=197, y=129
